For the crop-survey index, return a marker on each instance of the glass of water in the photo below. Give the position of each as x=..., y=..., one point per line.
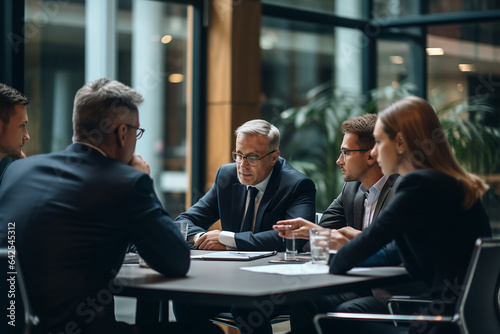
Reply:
x=320, y=245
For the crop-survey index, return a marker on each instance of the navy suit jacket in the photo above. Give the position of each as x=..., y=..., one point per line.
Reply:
x=75, y=212
x=434, y=234
x=289, y=194
x=348, y=208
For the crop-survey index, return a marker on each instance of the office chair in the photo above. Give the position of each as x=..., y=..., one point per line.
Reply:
x=477, y=309
x=15, y=294
x=226, y=318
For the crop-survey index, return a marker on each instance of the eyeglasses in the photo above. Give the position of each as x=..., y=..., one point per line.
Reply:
x=252, y=159
x=139, y=131
x=343, y=152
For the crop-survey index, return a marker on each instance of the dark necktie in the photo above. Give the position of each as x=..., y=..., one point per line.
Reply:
x=248, y=221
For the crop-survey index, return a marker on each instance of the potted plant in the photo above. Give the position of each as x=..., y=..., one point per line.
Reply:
x=314, y=135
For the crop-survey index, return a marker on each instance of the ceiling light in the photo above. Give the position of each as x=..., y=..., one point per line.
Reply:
x=467, y=67
x=396, y=59
x=434, y=51
x=166, y=39
x=175, y=78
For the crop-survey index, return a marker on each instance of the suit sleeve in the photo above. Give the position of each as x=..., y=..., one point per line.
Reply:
x=301, y=204
x=151, y=229
x=386, y=256
x=203, y=213
x=334, y=215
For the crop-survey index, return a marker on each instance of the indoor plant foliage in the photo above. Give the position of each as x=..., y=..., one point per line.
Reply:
x=314, y=135
x=474, y=144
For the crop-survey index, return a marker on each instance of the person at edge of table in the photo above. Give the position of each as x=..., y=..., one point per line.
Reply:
x=365, y=193
x=434, y=218
x=13, y=125
x=76, y=211
x=280, y=191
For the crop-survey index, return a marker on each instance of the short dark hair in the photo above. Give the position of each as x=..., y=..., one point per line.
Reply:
x=363, y=127
x=9, y=98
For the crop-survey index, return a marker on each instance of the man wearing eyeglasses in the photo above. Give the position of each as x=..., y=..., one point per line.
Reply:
x=278, y=191
x=248, y=197
x=75, y=212
x=366, y=192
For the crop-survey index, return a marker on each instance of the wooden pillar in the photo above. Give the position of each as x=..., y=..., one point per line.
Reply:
x=233, y=77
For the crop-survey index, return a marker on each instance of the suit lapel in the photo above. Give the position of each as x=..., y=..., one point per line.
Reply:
x=271, y=190
x=359, y=209
x=238, y=205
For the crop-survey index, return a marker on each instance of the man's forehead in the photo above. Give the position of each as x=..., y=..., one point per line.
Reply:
x=20, y=112
x=349, y=139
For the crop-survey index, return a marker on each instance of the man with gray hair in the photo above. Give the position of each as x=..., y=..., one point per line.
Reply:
x=76, y=212
x=249, y=197
x=277, y=189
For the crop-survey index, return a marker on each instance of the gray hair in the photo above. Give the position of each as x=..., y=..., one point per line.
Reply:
x=259, y=127
x=98, y=105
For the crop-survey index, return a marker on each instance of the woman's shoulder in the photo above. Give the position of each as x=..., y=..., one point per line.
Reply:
x=426, y=178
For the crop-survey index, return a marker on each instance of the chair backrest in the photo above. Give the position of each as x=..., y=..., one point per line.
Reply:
x=20, y=318
x=478, y=305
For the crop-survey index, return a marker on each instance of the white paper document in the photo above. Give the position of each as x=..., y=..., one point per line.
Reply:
x=291, y=269
x=233, y=255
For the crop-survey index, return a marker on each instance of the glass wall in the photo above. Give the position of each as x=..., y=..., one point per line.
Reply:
x=309, y=90
x=141, y=43
x=303, y=65
x=463, y=65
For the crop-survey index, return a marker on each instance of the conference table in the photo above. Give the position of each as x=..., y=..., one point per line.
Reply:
x=225, y=283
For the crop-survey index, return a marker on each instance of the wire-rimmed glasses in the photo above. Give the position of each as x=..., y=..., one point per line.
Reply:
x=252, y=159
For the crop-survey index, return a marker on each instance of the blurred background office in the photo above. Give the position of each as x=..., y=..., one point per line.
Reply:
x=205, y=67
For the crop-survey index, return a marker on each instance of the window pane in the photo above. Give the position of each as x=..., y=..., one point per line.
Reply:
x=387, y=9
x=310, y=67
x=446, y=6
x=464, y=62
x=150, y=56
x=349, y=9
x=392, y=63
x=397, y=8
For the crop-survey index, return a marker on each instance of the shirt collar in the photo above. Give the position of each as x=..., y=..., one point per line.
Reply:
x=94, y=147
x=375, y=190
x=263, y=185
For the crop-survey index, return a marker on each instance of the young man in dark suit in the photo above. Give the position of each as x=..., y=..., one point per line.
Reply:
x=366, y=192
x=13, y=125
x=76, y=211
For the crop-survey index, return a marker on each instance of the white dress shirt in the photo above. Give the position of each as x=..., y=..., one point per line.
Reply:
x=227, y=238
x=371, y=201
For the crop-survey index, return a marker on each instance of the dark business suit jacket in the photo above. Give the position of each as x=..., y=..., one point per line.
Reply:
x=434, y=234
x=289, y=194
x=75, y=212
x=348, y=210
